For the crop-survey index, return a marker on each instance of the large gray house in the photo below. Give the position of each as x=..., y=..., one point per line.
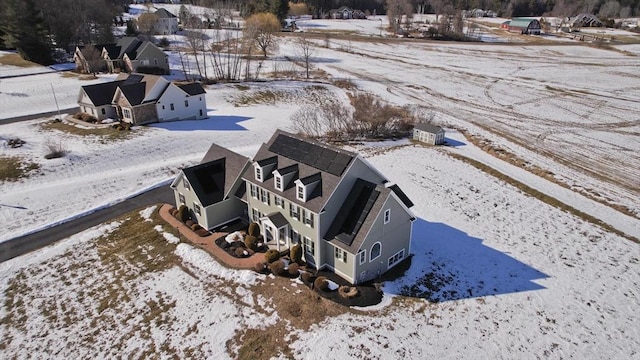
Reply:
x=347, y=215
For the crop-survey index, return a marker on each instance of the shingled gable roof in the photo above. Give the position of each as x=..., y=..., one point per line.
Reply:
x=350, y=228
x=101, y=94
x=192, y=89
x=234, y=164
x=428, y=128
x=135, y=87
x=312, y=157
x=164, y=13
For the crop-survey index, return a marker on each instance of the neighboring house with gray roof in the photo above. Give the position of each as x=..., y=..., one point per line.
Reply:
x=127, y=54
x=142, y=99
x=427, y=133
x=166, y=22
x=347, y=216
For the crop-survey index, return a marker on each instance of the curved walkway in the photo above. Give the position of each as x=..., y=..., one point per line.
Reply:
x=208, y=243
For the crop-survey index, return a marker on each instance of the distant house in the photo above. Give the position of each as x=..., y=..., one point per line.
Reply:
x=345, y=12
x=525, y=26
x=142, y=99
x=427, y=133
x=585, y=20
x=128, y=54
x=505, y=25
x=346, y=215
x=166, y=22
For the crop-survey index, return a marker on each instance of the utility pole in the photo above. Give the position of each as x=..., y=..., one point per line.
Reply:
x=55, y=99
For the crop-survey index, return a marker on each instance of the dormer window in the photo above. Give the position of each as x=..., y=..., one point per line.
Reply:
x=258, y=173
x=300, y=192
x=278, y=182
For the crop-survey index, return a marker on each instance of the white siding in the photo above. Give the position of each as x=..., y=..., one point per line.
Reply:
x=174, y=95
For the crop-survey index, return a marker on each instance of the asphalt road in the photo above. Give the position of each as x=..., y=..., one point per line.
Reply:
x=72, y=110
x=27, y=243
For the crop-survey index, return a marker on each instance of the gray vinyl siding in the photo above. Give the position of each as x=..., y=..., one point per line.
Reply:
x=298, y=225
x=394, y=236
x=213, y=215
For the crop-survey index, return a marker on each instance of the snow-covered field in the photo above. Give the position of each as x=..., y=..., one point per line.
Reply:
x=515, y=277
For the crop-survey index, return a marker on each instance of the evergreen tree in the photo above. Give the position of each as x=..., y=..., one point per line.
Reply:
x=25, y=30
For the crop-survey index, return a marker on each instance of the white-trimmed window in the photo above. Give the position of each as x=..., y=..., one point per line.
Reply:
x=362, y=257
x=295, y=237
x=254, y=191
x=376, y=250
x=196, y=208
x=278, y=201
x=387, y=216
x=185, y=183
x=265, y=197
x=309, y=246
x=294, y=211
x=181, y=198
x=278, y=182
x=255, y=215
x=126, y=113
x=186, y=103
x=300, y=192
x=341, y=255
x=258, y=173
x=396, y=258
x=307, y=217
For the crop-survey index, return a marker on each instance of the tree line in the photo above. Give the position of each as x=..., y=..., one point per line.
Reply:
x=36, y=27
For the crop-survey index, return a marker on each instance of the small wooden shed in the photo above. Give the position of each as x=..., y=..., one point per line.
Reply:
x=428, y=133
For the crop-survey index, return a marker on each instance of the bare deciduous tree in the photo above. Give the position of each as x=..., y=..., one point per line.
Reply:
x=396, y=9
x=95, y=62
x=306, y=51
x=262, y=27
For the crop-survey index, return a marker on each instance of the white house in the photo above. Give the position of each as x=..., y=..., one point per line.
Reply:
x=142, y=98
x=166, y=23
x=427, y=133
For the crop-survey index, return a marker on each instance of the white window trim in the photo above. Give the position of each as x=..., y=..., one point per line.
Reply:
x=362, y=257
x=400, y=255
x=278, y=178
x=340, y=254
x=258, y=172
x=387, y=216
x=371, y=252
x=197, y=208
x=304, y=192
x=309, y=245
x=254, y=191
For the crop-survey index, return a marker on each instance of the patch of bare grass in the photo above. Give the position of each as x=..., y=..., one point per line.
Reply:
x=16, y=60
x=83, y=77
x=106, y=133
x=543, y=197
x=14, y=168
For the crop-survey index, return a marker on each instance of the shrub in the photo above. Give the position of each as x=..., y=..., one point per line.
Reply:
x=240, y=252
x=55, y=150
x=277, y=268
x=195, y=227
x=251, y=242
x=296, y=253
x=321, y=283
x=254, y=229
x=183, y=213
x=153, y=70
x=348, y=292
x=293, y=270
x=261, y=268
x=271, y=255
x=189, y=222
x=307, y=277
x=163, y=43
x=173, y=211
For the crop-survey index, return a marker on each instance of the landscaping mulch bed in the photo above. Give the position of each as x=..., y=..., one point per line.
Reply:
x=368, y=293
x=230, y=248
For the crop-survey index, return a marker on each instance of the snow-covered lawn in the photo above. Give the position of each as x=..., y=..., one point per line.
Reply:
x=495, y=273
